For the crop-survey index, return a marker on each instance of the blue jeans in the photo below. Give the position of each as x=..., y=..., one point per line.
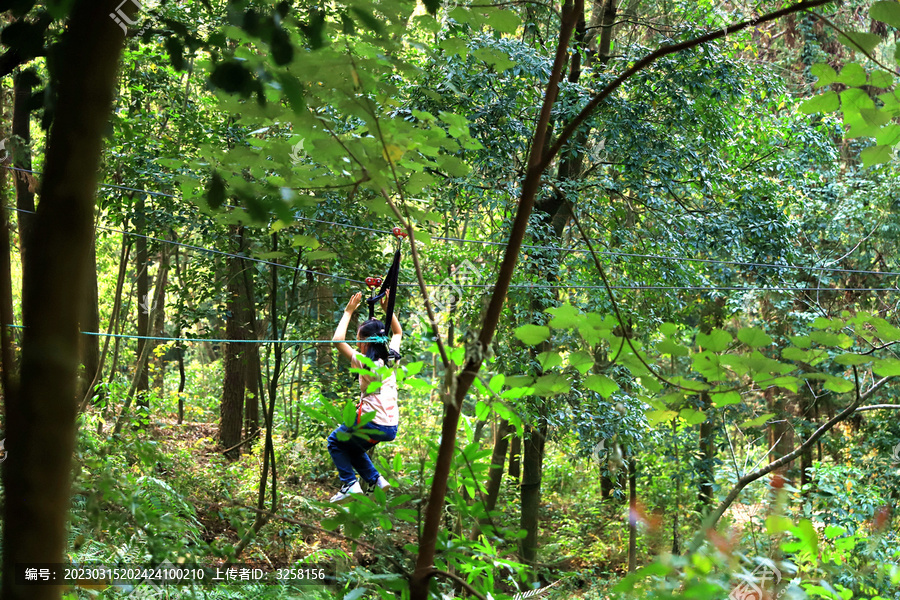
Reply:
x=351, y=454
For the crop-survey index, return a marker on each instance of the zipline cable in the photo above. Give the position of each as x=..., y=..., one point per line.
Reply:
x=182, y=339
x=490, y=286
x=572, y=287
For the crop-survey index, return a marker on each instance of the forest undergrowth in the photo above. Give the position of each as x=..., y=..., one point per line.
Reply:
x=163, y=491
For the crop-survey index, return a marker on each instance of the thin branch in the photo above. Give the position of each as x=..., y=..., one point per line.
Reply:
x=239, y=444
x=878, y=407
x=713, y=518
x=407, y=225
x=615, y=306
x=458, y=580
x=852, y=41
x=641, y=64
x=270, y=515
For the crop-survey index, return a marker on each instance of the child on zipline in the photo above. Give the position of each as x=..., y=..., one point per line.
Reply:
x=351, y=454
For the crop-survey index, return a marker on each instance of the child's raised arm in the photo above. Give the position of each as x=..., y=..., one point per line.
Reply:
x=340, y=334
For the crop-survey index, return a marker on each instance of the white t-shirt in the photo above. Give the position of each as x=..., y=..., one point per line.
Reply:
x=383, y=401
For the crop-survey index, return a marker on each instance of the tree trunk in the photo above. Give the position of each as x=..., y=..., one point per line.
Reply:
x=781, y=435
x=145, y=302
x=40, y=424
x=632, y=515
x=676, y=547
x=515, y=449
x=498, y=459
x=181, y=382
x=532, y=468
x=113, y=318
x=21, y=128
x=231, y=410
x=90, y=321
x=251, y=353
x=7, y=351
x=324, y=303
x=142, y=360
x=705, y=467
x=159, y=324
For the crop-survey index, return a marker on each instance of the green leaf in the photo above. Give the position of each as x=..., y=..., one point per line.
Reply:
x=851, y=359
x=565, y=316
x=215, y=193
x=880, y=78
x=778, y=524
x=280, y=44
x=668, y=329
x=454, y=46
x=801, y=341
x=823, y=103
x=754, y=337
x=582, y=361
x=655, y=417
x=549, y=360
x=725, y=399
x=496, y=383
x=886, y=12
x=349, y=414
x=886, y=367
x=716, y=341
x=824, y=72
x=494, y=57
x=504, y=21
x=885, y=330
x=482, y=411
x=532, y=335
x=551, y=385
x=876, y=155
x=888, y=135
x=860, y=41
x=293, y=92
x=667, y=346
x=413, y=368
x=833, y=531
x=319, y=255
x=839, y=385
x=758, y=421
x=356, y=594
x=519, y=381
x=874, y=116
x=853, y=99
x=810, y=357
x=852, y=74
x=691, y=416
x=601, y=384
x=831, y=339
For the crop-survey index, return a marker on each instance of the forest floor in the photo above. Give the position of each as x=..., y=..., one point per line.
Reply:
x=298, y=498
x=303, y=502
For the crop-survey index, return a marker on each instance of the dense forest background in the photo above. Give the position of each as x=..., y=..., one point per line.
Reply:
x=648, y=293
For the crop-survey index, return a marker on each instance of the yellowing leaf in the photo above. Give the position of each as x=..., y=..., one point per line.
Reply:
x=392, y=153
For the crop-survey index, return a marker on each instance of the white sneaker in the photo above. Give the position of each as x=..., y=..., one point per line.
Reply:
x=346, y=491
x=368, y=488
